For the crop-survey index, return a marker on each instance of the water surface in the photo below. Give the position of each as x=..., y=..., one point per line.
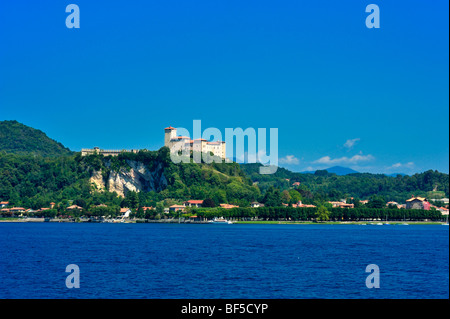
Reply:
x=223, y=261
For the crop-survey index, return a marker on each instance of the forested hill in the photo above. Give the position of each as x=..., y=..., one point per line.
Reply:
x=36, y=170
x=18, y=138
x=359, y=185
x=145, y=179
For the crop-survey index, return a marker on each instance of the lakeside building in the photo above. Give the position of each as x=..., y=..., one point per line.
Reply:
x=443, y=200
x=228, y=206
x=17, y=210
x=3, y=204
x=176, y=208
x=125, y=212
x=97, y=150
x=342, y=205
x=300, y=204
x=179, y=143
x=193, y=203
x=72, y=207
x=417, y=203
x=256, y=205
x=399, y=206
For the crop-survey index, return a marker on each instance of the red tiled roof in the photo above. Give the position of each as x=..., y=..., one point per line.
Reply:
x=228, y=206
x=4, y=203
x=194, y=201
x=170, y=128
x=74, y=207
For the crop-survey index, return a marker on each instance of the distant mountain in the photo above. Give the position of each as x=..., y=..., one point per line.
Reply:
x=307, y=172
x=338, y=170
x=18, y=138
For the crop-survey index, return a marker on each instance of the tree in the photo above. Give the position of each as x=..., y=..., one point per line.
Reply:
x=140, y=212
x=272, y=198
x=295, y=196
x=286, y=197
x=160, y=208
x=322, y=214
x=354, y=201
x=208, y=203
x=376, y=202
x=132, y=199
x=80, y=202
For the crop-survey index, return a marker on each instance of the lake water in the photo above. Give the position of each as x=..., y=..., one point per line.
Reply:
x=223, y=261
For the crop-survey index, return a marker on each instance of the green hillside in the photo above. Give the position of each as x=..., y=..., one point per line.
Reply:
x=35, y=170
x=31, y=181
x=329, y=186
x=18, y=138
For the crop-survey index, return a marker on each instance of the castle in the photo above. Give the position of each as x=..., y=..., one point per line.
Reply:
x=198, y=145
x=97, y=150
x=170, y=139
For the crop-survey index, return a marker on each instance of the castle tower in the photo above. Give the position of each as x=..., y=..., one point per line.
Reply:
x=169, y=133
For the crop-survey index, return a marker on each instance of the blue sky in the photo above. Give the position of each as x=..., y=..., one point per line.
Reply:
x=375, y=100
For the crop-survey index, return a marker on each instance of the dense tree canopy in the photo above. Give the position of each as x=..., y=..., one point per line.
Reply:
x=21, y=139
x=359, y=185
x=36, y=170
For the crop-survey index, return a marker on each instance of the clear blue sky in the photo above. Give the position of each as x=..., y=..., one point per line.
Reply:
x=375, y=100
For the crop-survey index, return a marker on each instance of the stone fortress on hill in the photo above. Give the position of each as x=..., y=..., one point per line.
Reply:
x=171, y=140
x=218, y=148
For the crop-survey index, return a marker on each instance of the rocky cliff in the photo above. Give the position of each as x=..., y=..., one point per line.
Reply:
x=136, y=177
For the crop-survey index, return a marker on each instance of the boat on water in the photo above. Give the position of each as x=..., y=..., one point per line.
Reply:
x=220, y=220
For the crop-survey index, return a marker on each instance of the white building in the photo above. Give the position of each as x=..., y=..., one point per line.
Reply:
x=125, y=212
x=171, y=140
x=97, y=150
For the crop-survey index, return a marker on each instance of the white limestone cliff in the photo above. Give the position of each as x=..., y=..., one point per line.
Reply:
x=135, y=178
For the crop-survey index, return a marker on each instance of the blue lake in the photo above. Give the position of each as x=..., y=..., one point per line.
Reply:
x=223, y=261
